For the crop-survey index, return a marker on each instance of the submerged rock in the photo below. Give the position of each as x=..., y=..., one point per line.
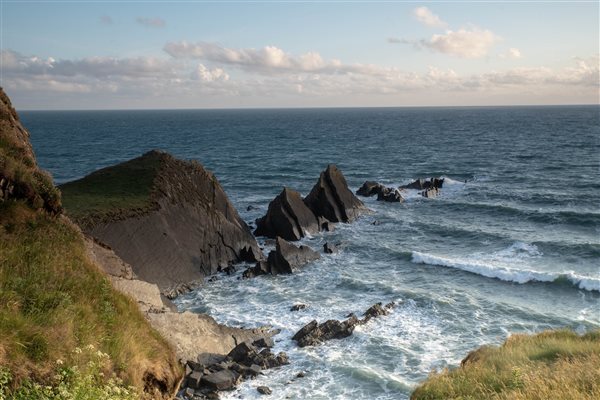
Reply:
x=298, y=307
x=421, y=184
x=370, y=188
x=330, y=198
x=390, y=195
x=330, y=248
x=287, y=217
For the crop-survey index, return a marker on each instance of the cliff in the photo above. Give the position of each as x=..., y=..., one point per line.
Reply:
x=56, y=304
x=169, y=219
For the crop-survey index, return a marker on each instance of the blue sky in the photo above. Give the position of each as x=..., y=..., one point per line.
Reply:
x=107, y=54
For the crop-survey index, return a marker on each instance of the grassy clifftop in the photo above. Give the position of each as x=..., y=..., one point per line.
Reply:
x=549, y=365
x=64, y=330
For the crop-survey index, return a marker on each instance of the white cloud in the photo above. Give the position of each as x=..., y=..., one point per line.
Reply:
x=512, y=53
x=151, y=22
x=426, y=17
x=209, y=75
x=465, y=43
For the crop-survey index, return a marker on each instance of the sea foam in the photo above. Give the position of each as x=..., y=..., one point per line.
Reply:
x=508, y=274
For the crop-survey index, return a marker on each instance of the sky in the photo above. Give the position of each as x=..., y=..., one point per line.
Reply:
x=253, y=54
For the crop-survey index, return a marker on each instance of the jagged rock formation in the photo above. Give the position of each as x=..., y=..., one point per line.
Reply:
x=330, y=198
x=329, y=201
x=287, y=217
x=182, y=228
x=314, y=333
x=283, y=260
x=371, y=188
x=421, y=184
x=20, y=177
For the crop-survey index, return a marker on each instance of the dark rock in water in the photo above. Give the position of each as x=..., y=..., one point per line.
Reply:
x=431, y=192
x=326, y=225
x=330, y=248
x=301, y=374
x=391, y=195
x=287, y=217
x=221, y=380
x=376, y=222
x=264, y=390
x=421, y=184
x=261, y=268
x=229, y=270
x=370, y=188
x=330, y=197
x=313, y=333
x=250, y=208
x=286, y=257
x=189, y=228
x=298, y=307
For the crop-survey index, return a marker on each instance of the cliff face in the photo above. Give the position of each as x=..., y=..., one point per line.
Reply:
x=186, y=229
x=20, y=177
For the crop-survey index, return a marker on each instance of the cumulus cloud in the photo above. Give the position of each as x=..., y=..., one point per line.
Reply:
x=426, y=17
x=267, y=59
x=511, y=53
x=151, y=22
x=234, y=74
x=209, y=75
x=465, y=43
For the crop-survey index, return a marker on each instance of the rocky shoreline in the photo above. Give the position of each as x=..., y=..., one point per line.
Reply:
x=192, y=215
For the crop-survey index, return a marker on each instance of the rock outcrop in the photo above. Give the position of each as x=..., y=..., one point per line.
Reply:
x=370, y=188
x=314, y=333
x=188, y=230
x=421, y=184
x=431, y=192
x=287, y=217
x=331, y=199
x=286, y=257
x=20, y=176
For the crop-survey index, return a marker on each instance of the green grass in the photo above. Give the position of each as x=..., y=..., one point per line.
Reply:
x=118, y=190
x=53, y=300
x=550, y=365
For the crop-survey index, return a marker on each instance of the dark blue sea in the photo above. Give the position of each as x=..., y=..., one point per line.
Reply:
x=512, y=245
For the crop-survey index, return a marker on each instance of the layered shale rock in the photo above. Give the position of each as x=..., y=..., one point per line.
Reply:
x=287, y=217
x=169, y=219
x=331, y=199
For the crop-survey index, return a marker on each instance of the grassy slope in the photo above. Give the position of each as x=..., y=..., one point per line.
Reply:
x=53, y=299
x=112, y=191
x=550, y=365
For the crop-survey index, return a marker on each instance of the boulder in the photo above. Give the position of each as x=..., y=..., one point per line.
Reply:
x=221, y=380
x=242, y=352
x=390, y=195
x=369, y=188
x=194, y=379
x=286, y=257
x=264, y=390
x=330, y=197
x=298, y=307
x=287, y=217
x=313, y=333
x=330, y=248
x=261, y=268
x=266, y=342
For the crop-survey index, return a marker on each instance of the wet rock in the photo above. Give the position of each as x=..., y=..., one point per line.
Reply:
x=390, y=195
x=301, y=374
x=369, y=188
x=261, y=268
x=421, y=184
x=330, y=248
x=330, y=197
x=242, y=352
x=286, y=257
x=250, y=208
x=431, y=192
x=230, y=270
x=287, y=217
x=264, y=390
x=188, y=393
x=313, y=333
x=298, y=307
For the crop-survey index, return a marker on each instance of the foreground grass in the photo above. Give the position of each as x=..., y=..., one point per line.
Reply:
x=550, y=365
x=110, y=192
x=54, y=300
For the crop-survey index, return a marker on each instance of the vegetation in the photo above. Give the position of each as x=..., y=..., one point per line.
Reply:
x=122, y=189
x=550, y=365
x=53, y=300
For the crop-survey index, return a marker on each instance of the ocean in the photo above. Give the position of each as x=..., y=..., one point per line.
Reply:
x=512, y=244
